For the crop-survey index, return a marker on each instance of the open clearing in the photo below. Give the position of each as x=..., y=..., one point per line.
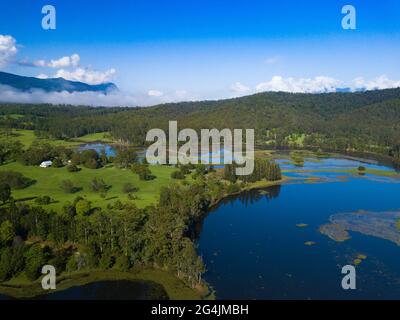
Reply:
x=48, y=182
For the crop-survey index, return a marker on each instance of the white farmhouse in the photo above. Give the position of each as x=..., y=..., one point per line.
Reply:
x=46, y=164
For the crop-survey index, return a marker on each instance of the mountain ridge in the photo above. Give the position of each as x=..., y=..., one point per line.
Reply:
x=24, y=83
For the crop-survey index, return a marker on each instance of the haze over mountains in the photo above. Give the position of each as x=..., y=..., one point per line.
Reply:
x=366, y=121
x=27, y=84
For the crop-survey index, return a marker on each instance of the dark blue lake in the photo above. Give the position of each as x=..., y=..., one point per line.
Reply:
x=253, y=249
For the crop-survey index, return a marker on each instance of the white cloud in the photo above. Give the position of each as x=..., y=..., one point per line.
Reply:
x=69, y=69
x=115, y=98
x=64, y=62
x=86, y=75
x=42, y=76
x=240, y=88
x=38, y=63
x=307, y=85
x=8, y=50
x=155, y=93
x=381, y=82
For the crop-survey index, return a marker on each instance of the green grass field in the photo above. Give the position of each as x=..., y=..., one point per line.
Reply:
x=94, y=137
x=48, y=182
x=27, y=137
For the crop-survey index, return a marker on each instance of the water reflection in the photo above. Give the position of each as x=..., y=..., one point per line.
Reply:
x=253, y=248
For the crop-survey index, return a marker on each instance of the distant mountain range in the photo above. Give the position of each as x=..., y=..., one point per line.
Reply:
x=52, y=85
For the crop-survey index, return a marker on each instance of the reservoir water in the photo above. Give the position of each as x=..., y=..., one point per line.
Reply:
x=108, y=290
x=253, y=247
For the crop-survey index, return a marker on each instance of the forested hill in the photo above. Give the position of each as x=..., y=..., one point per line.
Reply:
x=363, y=121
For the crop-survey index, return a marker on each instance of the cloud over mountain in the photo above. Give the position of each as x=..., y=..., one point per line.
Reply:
x=8, y=50
x=306, y=85
x=87, y=75
x=64, y=62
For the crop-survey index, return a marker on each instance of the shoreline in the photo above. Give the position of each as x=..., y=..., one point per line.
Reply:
x=67, y=281
x=170, y=283
x=173, y=286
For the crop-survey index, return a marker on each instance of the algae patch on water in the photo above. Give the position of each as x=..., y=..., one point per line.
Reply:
x=359, y=258
x=335, y=232
x=310, y=243
x=356, y=262
x=377, y=224
x=302, y=225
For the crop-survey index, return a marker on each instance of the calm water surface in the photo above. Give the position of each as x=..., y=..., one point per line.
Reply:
x=108, y=290
x=253, y=249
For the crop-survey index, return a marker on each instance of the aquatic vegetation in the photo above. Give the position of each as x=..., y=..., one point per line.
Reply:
x=378, y=224
x=297, y=159
x=398, y=224
x=302, y=225
x=356, y=262
x=335, y=232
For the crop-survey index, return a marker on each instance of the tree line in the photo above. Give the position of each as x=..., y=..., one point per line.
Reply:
x=362, y=121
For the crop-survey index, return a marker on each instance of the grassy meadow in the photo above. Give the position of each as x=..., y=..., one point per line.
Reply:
x=27, y=137
x=48, y=182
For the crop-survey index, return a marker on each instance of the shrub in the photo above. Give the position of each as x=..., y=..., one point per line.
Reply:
x=6, y=268
x=82, y=207
x=124, y=157
x=142, y=171
x=90, y=159
x=129, y=187
x=72, y=264
x=5, y=192
x=15, y=179
x=132, y=196
x=98, y=185
x=57, y=163
x=233, y=188
x=361, y=168
x=122, y=263
x=185, y=169
x=201, y=169
x=68, y=187
x=35, y=259
x=72, y=168
x=59, y=259
x=177, y=175
x=106, y=261
x=43, y=200
x=91, y=164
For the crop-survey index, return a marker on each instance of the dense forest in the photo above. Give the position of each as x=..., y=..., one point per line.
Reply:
x=82, y=236
x=361, y=121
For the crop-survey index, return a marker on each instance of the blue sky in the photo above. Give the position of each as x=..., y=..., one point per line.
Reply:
x=171, y=50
